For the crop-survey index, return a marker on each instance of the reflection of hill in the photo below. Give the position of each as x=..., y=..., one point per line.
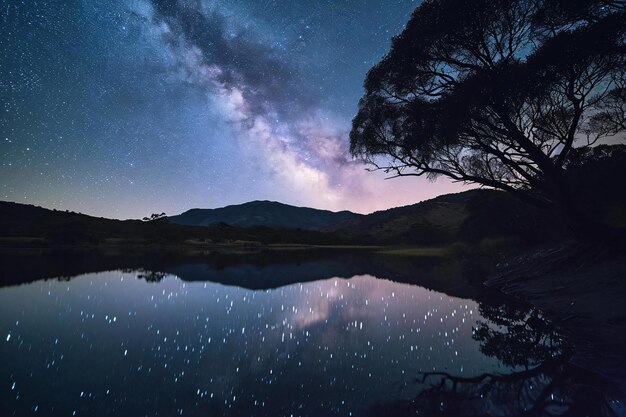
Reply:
x=255, y=270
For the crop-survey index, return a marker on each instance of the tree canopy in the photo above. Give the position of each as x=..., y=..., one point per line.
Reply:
x=497, y=92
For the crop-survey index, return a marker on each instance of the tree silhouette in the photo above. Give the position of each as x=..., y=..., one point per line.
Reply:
x=498, y=93
x=154, y=216
x=151, y=276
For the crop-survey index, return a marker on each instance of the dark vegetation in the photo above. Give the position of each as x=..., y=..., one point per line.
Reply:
x=154, y=216
x=527, y=97
x=511, y=95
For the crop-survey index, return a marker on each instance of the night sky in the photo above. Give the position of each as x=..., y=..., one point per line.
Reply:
x=121, y=108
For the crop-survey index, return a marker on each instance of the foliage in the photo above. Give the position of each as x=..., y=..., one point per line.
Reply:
x=599, y=174
x=497, y=93
x=497, y=214
x=154, y=216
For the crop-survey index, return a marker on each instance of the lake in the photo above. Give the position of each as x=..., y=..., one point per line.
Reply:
x=276, y=335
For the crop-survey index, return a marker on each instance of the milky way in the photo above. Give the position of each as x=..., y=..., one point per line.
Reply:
x=123, y=108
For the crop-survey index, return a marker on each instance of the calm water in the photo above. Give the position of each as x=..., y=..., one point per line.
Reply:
x=131, y=343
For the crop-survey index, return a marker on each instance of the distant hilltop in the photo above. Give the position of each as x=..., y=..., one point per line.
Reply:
x=265, y=213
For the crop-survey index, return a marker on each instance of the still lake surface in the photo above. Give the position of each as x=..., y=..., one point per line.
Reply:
x=146, y=342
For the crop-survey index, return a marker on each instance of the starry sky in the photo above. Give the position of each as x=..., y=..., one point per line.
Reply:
x=122, y=108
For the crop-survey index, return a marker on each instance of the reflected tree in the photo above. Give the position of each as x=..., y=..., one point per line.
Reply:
x=542, y=382
x=516, y=337
x=151, y=276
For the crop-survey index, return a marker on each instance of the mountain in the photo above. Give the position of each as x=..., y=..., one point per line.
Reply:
x=265, y=213
x=469, y=216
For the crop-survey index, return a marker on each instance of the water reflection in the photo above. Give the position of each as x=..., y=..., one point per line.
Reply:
x=540, y=380
x=109, y=341
x=140, y=341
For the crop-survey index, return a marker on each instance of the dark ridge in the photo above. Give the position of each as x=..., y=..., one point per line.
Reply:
x=264, y=213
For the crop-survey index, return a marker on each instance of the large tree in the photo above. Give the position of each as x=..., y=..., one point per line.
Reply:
x=498, y=93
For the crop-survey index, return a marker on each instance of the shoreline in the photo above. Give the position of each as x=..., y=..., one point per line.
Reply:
x=9, y=244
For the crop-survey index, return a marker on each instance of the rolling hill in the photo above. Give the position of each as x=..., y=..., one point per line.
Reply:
x=428, y=222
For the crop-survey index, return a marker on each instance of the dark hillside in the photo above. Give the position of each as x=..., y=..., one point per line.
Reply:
x=19, y=221
x=433, y=221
